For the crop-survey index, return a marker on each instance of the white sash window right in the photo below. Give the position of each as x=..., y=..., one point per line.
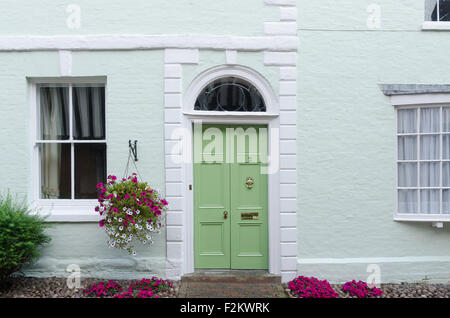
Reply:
x=423, y=161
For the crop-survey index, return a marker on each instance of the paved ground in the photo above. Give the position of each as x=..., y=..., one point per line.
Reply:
x=231, y=284
x=230, y=290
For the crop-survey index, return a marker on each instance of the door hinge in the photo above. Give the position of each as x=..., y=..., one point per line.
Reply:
x=190, y=187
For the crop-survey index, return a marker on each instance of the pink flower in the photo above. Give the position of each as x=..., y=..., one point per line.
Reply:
x=101, y=223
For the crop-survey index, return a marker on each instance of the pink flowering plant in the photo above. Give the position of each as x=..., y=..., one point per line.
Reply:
x=154, y=284
x=103, y=289
x=311, y=287
x=137, y=294
x=146, y=288
x=132, y=211
x=361, y=289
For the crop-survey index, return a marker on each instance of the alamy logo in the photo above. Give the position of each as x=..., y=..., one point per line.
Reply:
x=374, y=18
x=73, y=281
x=229, y=145
x=374, y=279
x=73, y=21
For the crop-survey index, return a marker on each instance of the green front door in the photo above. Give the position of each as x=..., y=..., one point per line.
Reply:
x=230, y=197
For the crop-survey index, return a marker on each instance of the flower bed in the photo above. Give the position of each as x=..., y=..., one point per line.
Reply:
x=361, y=289
x=103, y=289
x=144, y=288
x=311, y=287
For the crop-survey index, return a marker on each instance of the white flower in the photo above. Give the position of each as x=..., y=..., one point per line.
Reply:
x=117, y=234
x=136, y=225
x=120, y=219
x=137, y=212
x=140, y=227
x=124, y=236
x=148, y=237
x=134, y=253
x=124, y=209
x=109, y=220
x=120, y=228
x=144, y=241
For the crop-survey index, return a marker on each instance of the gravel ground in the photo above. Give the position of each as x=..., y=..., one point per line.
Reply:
x=403, y=290
x=25, y=287
x=57, y=288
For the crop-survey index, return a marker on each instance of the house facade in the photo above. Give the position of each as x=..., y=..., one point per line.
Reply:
x=349, y=105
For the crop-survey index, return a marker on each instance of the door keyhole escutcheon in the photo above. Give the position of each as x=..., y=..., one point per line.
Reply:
x=250, y=182
x=225, y=214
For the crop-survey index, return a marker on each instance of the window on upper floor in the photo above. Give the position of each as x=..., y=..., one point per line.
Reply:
x=437, y=10
x=70, y=140
x=423, y=160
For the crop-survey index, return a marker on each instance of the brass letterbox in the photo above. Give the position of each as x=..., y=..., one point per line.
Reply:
x=250, y=216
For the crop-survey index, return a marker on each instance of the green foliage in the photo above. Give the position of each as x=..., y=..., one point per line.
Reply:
x=21, y=235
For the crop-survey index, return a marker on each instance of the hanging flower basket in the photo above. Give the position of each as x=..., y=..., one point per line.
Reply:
x=131, y=210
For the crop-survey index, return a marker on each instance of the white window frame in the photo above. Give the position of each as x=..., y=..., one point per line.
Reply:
x=417, y=101
x=60, y=210
x=436, y=25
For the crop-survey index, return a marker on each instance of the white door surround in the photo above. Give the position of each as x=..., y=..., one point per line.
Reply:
x=179, y=169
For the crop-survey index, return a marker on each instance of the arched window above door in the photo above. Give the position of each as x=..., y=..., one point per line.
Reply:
x=230, y=94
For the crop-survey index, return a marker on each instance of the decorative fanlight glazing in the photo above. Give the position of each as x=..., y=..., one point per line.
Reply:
x=230, y=94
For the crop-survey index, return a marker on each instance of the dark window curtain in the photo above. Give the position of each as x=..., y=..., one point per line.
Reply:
x=89, y=113
x=54, y=113
x=444, y=11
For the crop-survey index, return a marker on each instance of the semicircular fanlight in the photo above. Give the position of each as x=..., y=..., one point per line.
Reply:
x=230, y=94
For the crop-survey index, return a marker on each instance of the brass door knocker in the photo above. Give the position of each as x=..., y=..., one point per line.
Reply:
x=250, y=182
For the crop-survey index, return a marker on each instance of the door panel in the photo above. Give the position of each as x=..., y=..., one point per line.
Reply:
x=249, y=243
x=211, y=199
x=233, y=242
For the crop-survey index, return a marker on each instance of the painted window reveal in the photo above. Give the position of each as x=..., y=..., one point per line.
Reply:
x=230, y=94
x=71, y=140
x=437, y=10
x=423, y=183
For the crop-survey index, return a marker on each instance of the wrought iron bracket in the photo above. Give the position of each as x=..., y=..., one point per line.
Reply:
x=133, y=149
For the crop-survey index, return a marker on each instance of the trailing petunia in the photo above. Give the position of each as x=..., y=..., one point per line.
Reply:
x=103, y=289
x=125, y=217
x=361, y=289
x=311, y=287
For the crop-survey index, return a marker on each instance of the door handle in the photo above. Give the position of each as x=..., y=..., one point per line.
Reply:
x=225, y=214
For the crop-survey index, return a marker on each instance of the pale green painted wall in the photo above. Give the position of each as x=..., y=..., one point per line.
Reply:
x=236, y=17
x=346, y=142
x=134, y=111
x=346, y=139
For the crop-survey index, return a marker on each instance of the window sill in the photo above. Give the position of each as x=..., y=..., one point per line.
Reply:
x=422, y=218
x=68, y=211
x=436, y=26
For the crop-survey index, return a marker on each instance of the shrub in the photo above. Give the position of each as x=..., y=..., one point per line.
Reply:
x=103, y=289
x=132, y=211
x=311, y=287
x=361, y=289
x=22, y=233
